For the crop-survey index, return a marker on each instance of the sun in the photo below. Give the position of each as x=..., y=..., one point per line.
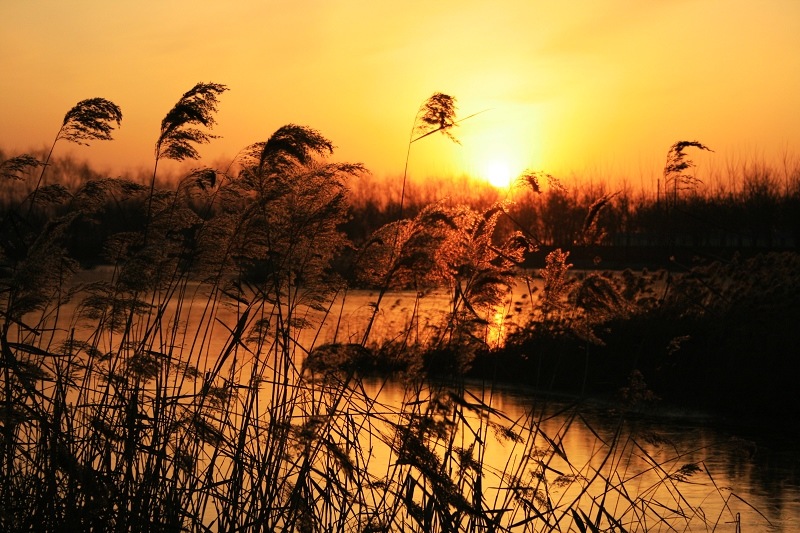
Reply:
x=498, y=173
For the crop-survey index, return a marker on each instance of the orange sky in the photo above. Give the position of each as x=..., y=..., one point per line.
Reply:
x=604, y=85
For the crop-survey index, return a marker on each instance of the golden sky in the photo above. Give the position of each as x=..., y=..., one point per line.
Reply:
x=567, y=86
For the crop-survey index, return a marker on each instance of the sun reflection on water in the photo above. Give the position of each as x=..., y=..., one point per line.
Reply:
x=496, y=330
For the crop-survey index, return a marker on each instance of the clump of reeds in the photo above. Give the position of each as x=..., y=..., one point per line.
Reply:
x=187, y=386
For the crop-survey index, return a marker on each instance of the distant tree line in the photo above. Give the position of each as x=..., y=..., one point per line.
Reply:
x=763, y=213
x=634, y=226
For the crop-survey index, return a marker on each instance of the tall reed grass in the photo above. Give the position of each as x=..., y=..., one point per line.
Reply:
x=187, y=385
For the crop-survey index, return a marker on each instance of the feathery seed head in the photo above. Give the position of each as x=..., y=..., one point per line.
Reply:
x=291, y=145
x=195, y=108
x=438, y=113
x=13, y=169
x=677, y=165
x=90, y=120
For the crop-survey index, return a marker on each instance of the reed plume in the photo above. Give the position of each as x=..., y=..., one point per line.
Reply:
x=437, y=114
x=290, y=145
x=12, y=169
x=180, y=131
x=592, y=233
x=179, y=128
x=89, y=120
x=676, y=175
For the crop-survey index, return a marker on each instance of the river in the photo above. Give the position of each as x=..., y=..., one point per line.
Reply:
x=744, y=481
x=698, y=474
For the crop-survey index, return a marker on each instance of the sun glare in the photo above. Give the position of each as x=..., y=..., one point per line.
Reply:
x=498, y=173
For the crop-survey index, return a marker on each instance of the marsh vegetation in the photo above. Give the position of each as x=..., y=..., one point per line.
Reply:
x=207, y=379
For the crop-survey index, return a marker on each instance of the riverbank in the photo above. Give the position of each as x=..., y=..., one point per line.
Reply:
x=719, y=338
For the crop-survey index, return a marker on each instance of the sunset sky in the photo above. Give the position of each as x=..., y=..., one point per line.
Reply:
x=574, y=86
